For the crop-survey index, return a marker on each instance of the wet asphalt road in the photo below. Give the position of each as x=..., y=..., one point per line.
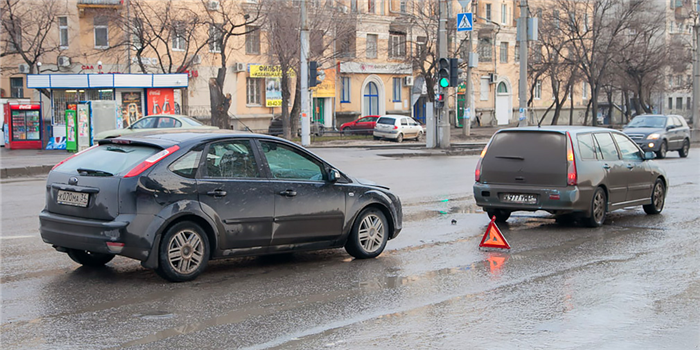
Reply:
x=632, y=284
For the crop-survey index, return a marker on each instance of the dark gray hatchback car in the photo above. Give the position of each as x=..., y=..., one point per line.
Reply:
x=175, y=200
x=576, y=173
x=660, y=134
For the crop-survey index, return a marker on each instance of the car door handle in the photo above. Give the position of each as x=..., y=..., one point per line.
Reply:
x=606, y=166
x=217, y=193
x=288, y=193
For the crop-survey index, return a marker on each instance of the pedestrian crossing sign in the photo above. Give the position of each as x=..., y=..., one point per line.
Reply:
x=464, y=22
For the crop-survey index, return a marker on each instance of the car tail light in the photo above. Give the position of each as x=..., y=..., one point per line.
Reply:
x=73, y=156
x=571, y=175
x=395, y=127
x=151, y=161
x=477, y=172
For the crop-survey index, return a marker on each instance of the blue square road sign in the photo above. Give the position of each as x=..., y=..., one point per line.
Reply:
x=464, y=22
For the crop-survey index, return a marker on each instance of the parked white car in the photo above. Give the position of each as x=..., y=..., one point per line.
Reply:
x=398, y=127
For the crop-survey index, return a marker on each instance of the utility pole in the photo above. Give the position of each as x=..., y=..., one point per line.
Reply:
x=128, y=36
x=468, y=89
x=304, y=76
x=443, y=124
x=522, y=86
x=696, y=68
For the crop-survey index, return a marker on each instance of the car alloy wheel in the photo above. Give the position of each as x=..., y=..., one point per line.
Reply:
x=184, y=252
x=399, y=138
x=598, y=209
x=661, y=154
x=685, y=149
x=369, y=234
x=658, y=198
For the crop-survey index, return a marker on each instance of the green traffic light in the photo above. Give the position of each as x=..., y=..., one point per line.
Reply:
x=444, y=82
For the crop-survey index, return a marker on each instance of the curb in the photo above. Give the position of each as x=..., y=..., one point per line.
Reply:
x=27, y=171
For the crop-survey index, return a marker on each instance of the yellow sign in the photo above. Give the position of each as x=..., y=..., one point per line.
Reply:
x=327, y=86
x=264, y=71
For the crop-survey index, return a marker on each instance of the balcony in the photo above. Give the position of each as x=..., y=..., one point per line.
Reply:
x=83, y=4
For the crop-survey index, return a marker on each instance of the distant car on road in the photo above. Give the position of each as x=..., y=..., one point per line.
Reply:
x=398, y=127
x=176, y=200
x=575, y=173
x=660, y=134
x=155, y=123
x=363, y=125
x=276, y=128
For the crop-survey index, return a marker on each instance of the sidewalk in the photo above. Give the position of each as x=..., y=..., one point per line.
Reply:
x=29, y=163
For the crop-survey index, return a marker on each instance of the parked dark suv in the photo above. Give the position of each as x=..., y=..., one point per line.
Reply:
x=660, y=134
x=175, y=200
x=576, y=173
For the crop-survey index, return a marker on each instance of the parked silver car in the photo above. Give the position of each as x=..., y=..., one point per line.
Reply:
x=660, y=134
x=397, y=127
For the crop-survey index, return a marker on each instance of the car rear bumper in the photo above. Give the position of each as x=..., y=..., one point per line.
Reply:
x=558, y=200
x=93, y=235
x=389, y=134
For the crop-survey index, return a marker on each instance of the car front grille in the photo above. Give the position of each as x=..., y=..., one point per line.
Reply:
x=637, y=137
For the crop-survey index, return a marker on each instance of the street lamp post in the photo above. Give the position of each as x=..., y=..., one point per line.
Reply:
x=696, y=67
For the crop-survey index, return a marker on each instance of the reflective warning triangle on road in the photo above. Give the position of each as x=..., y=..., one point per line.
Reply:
x=493, y=238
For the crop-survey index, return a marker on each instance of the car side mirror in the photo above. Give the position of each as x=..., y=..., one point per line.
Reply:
x=649, y=155
x=333, y=175
x=670, y=127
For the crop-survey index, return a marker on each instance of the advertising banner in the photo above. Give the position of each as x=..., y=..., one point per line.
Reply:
x=327, y=86
x=265, y=71
x=273, y=92
x=131, y=109
x=71, y=127
x=160, y=101
x=83, y=126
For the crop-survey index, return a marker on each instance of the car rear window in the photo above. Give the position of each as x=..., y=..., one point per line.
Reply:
x=106, y=160
x=191, y=121
x=386, y=120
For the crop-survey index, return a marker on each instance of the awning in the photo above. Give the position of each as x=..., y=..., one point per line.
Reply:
x=101, y=81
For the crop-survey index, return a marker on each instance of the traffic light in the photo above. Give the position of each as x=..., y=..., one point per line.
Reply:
x=440, y=100
x=314, y=77
x=444, y=72
x=455, y=72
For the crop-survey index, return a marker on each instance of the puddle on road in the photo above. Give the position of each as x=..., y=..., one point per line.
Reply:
x=434, y=213
x=155, y=315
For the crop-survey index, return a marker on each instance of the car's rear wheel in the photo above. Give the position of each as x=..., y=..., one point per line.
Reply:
x=598, y=209
x=658, y=198
x=91, y=259
x=420, y=136
x=183, y=253
x=369, y=234
x=377, y=138
x=661, y=153
x=501, y=215
x=683, y=152
x=399, y=138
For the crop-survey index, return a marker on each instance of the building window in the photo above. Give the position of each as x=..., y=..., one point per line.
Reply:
x=254, y=91
x=555, y=16
x=63, y=31
x=137, y=34
x=371, y=45
x=346, y=42
x=397, y=90
x=584, y=91
x=679, y=102
x=178, y=37
x=488, y=12
x=689, y=104
x=670, y=80
x=371, y=99
x=538, y=90
x=215, y=38
x=397, y=45
x=679, y=80
x=504, y=52
x=371, y=6
x=252, y=40
x=670, y=103
x=353, y=5
x=402, y=6
x=504, y=13
x=485, y=49
x=345, y=90
x=101, y=32
x=420, y=45
x=16, y=87
x=484, y=89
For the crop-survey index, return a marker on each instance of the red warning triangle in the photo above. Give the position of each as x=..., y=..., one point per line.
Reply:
x=493, y=238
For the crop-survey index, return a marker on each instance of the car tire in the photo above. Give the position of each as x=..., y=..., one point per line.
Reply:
x=377, y=138
x=658, y=198
x=399, y=138
x=369, y=234
x=90, y=259
x=661, y=153
x=501, y=215
x=683, y=152
x=183, y=252
x=420, y=136
x=598, y=209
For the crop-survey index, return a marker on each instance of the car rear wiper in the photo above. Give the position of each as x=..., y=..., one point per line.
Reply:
x=95, y=172
x=511, y=157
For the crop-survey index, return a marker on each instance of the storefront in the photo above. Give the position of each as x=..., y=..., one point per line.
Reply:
x=134, y=96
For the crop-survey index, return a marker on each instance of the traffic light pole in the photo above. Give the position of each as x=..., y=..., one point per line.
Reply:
x=522, y=86
x=443, y=124
x=303, y=75
x=467, y=122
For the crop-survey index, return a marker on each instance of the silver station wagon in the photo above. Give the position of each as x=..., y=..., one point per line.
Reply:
x=576, y=173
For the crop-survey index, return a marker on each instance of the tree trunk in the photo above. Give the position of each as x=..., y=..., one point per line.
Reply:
x=286, y=125
x=594, y=105
x=628, y=106
x=296, y=106
x=571, y=111
x=545, y=114
x=588, y=109
x=219, y=103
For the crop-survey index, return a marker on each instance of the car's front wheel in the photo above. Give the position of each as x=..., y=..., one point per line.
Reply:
x=90, y=259
x=183, y=253
x=661, y=153
x=420, y=136
x=369, y=234
x=598, y=209
x=683, y=152
x=658, y=198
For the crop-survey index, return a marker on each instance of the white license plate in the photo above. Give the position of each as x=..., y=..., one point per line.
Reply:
x=519, y=198
x=75, y=199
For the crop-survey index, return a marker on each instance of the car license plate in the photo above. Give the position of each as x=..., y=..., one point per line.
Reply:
x=75, y=199
x=519, y=198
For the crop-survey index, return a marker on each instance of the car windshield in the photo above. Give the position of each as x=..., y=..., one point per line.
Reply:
x=647, y=122
x=190, y=121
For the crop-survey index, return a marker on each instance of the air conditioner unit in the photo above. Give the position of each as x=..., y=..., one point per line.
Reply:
x=24, y=68
x=213, y=5
x=238, y=67
x=493, y=77
x=408, y=81
x=63, y=61
x=196, y=59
